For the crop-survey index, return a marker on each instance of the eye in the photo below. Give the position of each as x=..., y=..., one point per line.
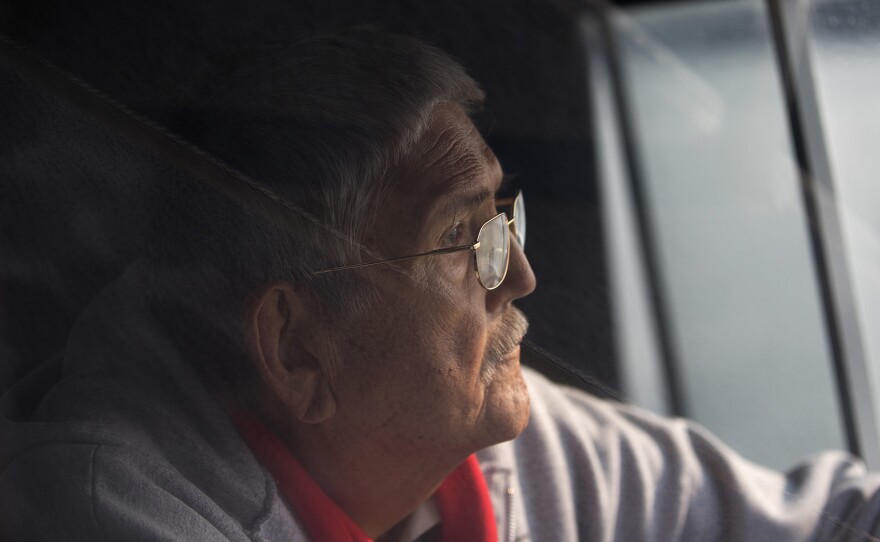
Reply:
x=454, y=235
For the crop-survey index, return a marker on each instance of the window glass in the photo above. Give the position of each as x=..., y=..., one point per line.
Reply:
x=728, y=227
x=641, y=372
x=846, y=55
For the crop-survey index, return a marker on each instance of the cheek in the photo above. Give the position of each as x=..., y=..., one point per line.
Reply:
x=470, y=344
x=447, y=340
x=453, y=317
x=443, y=311
x=421, y=344
x=459, y=340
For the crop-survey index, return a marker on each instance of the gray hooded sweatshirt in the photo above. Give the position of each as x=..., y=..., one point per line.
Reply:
x=129, y=445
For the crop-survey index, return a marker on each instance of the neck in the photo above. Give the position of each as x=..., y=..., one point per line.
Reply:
x=374, y=484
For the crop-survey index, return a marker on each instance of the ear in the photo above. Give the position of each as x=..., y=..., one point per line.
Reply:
x=280, y=341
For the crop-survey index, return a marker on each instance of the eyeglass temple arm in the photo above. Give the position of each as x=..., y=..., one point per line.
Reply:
x=448, y=250
x=506, y=202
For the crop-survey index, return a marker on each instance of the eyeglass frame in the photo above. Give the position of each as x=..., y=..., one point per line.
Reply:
x=511, y=202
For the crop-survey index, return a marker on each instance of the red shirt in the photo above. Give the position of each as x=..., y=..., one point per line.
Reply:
x=463, y=498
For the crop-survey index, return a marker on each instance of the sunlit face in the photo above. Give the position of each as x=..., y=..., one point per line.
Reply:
x=435, y=366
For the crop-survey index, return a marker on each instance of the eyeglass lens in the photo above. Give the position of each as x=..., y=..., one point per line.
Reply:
x=494, y=239
x=519, y=220
x=493, y=254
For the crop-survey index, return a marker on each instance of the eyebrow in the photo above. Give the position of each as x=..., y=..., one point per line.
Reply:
x=456, y=204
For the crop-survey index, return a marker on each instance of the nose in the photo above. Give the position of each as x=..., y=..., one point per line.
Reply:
x=523, y=280
x=519, y=282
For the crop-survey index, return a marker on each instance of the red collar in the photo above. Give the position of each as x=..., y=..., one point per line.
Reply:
x=463, y=497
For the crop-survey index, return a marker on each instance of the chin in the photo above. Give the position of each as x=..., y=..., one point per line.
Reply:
x=507, y=407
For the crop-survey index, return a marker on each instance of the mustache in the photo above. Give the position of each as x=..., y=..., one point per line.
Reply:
x=511, y=330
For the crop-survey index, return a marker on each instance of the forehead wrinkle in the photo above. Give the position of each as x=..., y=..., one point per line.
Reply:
x=484, y=151
x=462, y=192
x=464, y=174
x=442, y=148
x=461, y=166
x=453, y=178
x=454, y=154
x=452, y=169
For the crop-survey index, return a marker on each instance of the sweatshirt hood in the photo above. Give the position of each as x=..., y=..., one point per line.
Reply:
x=122, y=381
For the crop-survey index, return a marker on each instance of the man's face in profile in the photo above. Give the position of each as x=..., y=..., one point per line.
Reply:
x=435, y=365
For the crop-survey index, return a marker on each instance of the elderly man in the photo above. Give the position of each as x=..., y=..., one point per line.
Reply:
x=350, y=370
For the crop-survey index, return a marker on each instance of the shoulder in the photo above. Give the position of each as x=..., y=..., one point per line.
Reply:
x=80, y=487
x=91, y=491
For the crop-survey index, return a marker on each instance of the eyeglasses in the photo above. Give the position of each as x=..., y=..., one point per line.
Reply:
x=491, y=248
